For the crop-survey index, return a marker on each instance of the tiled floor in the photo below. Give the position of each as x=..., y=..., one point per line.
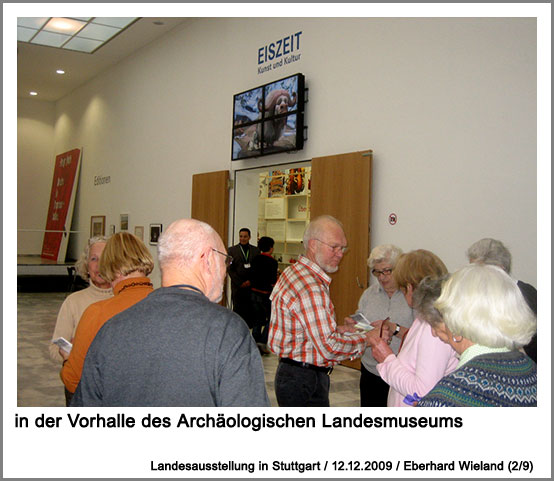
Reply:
x=38, y=381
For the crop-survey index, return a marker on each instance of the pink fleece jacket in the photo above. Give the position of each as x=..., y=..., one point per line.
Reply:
x=420, y=364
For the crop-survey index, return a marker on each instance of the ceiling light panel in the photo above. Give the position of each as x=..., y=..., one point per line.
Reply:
x=32, y=22
x=98, y=32
x=83, y=34
x=119, y=22
x=65, y=26
x=83, y=44
x=25, y=34
x=50, y=39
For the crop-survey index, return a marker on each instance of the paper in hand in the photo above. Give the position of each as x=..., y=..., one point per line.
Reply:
x=362, y=323
x=63, y=343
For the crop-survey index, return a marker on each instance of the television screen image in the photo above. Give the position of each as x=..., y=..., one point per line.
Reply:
x=269, y=119
x=247, y=106
x=280, y=134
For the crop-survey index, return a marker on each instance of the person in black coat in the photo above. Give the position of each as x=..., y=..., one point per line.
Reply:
x=263, y=278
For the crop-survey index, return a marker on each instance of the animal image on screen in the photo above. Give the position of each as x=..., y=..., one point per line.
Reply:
x=269, y=119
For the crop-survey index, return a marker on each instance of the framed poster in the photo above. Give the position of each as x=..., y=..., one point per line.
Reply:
x=155, y=231
x=97, y=225
x=60, y=208
x=124, y=222
x=139, y=232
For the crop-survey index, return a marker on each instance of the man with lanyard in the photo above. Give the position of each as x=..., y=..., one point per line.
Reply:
x=239, y=272
x=303, y=331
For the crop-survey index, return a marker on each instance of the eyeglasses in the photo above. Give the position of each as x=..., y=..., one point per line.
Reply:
x=228, y=258
x=334, y=248
x=384, y=272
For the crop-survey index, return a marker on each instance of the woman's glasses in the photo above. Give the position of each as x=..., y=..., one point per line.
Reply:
x=384, y=272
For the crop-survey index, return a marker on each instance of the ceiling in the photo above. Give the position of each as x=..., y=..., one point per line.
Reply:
x=37, y=64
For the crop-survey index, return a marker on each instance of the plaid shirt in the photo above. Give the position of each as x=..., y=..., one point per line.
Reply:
x=303, y=324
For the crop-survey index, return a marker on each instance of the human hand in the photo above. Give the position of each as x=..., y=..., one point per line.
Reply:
x=380, y=324
x=64, y=354
x=380, y=349
x=245, y=284
x=348, y=326
x=384, y=327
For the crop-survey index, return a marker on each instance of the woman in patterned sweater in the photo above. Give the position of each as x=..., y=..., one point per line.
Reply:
x=487, y=322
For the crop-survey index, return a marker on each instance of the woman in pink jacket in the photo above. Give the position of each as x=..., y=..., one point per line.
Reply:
x=422, y=359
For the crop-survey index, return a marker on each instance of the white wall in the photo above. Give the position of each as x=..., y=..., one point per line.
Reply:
x=448, y=107
x=35, y=169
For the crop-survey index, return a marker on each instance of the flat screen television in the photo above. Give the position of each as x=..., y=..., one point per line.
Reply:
x=269, y=119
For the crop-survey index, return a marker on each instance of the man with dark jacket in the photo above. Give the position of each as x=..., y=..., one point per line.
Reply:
x=240, y=272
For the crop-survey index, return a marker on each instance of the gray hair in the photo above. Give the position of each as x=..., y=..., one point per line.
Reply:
x=484, y=304
x=81, y=266
x=424, y=297
x=183, y=240
x=492, y=252
x=316, y=227
x=384, y=253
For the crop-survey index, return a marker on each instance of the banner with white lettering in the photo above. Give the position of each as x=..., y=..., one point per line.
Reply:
x=60, y=209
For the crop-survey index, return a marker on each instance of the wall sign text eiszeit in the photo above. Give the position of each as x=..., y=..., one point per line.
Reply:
x=278, y=53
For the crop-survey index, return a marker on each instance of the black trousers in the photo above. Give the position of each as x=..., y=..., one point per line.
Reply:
x=242, y=305
x=373, y=390
x=297, y=386
x=261, y=312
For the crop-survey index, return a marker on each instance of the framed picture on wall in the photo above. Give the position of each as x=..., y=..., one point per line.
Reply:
x=124, y=221
x=155, y=231
x=97, y=225
x=139, y=232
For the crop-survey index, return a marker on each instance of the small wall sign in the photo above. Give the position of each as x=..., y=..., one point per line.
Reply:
x=393, y=219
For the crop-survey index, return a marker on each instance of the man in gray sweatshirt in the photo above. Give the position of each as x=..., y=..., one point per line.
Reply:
x=177, y=347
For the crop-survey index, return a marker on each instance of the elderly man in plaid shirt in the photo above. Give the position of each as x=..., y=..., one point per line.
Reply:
x=303, y=331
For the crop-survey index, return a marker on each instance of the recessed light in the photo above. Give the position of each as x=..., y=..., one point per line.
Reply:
x=33, y=93
x=60, y=71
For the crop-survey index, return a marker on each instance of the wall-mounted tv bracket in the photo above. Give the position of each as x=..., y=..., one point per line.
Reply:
x=306, y=100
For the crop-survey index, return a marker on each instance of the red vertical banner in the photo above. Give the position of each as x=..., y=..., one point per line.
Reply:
x=61, y=203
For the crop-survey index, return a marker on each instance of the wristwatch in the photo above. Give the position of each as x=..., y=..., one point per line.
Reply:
x=397, y=330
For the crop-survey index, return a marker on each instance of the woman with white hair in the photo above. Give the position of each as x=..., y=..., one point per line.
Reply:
x=125, y=263
x=74, y=305
x=487, y=322
x=493, y=252
x=380, y=301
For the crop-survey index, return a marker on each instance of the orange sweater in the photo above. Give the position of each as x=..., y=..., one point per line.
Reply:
x=126, y=293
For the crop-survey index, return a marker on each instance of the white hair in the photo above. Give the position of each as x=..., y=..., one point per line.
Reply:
x=383, y=253
x=183, y=241
x=484, y=304
x=490, y=251
x=81, y=266
x=316, y=227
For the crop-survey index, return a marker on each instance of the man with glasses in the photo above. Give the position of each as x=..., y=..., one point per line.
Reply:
x=303, y=331
x=178, y=347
